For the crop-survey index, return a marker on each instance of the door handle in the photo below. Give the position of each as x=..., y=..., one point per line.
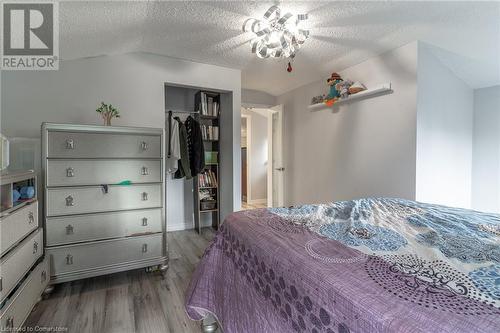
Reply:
x=280, y=169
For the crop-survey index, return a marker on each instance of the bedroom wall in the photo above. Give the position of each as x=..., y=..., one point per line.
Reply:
x=365, y=148
x=132, y=82
x=258, y=155
x=444, y=133
x=486, y=150
x=256, y=98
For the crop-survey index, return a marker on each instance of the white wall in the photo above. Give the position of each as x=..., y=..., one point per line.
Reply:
x=444, y=133
x=365, y=148
x=134, y=83
x=486, y=150
x=257, y=155
x=257, y=98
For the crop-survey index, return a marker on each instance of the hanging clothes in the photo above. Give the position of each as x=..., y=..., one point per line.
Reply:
x=195, y=146
x=183, y=169
x=173, y=149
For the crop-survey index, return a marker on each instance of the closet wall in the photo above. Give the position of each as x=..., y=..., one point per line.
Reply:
x=132, y=82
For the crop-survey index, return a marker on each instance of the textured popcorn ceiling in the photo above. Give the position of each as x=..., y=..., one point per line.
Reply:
x=343, y=34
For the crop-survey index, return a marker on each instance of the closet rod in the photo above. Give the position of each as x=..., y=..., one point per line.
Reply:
x=180, y=111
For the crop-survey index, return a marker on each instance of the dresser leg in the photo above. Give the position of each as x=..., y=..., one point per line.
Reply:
x=163, y=268
x=48, y=290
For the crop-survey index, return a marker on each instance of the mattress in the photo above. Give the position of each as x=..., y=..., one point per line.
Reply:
x=368, y=265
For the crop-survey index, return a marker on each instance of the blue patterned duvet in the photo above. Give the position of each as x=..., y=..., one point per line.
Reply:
x=411, y=234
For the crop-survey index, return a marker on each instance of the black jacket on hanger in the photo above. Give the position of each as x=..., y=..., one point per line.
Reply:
x=195, y=146
x=183, y=169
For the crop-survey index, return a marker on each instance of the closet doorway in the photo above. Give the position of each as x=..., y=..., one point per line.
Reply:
x=262, y=171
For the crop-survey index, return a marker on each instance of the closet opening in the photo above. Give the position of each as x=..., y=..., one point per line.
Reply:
x=198, y=142
x=262, y=167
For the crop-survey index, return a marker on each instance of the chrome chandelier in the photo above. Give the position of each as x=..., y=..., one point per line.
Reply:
x=277, y=36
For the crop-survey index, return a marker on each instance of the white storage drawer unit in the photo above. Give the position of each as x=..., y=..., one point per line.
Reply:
x=96, y=172
x=104, y=199
x=15, y=264
x=18, y=307
x=82, y=228
x=22, y=277
x=15, y=226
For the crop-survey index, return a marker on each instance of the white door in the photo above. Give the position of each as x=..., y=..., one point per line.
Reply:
x=276, y=174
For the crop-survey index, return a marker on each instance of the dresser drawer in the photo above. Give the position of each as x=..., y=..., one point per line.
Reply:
x=90, y=227
x=20, y=304
x=88, y=256
x=96, y=172
x=17, y=225
x=94, y=199
x=103, y=145
x=14, y=265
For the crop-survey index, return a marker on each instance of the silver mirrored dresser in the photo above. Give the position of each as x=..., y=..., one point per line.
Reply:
x=104, y=199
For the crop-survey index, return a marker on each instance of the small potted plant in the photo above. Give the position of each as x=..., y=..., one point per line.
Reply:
x=108, y=112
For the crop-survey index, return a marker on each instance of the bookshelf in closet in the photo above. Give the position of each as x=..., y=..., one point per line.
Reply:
x=207, y=186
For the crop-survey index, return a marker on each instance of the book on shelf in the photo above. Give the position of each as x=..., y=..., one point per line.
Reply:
x=208, y=104
x=209, y=132
x=207, y=179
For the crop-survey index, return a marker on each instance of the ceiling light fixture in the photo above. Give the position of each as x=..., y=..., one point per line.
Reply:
x=277, y=36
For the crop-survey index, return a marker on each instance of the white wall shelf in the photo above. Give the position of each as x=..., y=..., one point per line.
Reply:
x=376, y=91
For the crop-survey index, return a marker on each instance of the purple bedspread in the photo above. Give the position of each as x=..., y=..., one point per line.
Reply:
x=267, y=273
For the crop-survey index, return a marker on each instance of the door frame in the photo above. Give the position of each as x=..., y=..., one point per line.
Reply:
x=273, y=110
x=249, y=147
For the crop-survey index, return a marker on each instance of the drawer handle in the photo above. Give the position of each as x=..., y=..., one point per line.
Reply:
x=9, y=324
x=144, y=248
x=35, y=247
x=70, y=172
x=144, y=196
x=69, y=259
x=1, y=284
x=69, y=201
x=69, y=229
x=31, y=217
x=144, y=171
x=144, y=221
x=70, y=144
x=43, y=276
x=144, y=145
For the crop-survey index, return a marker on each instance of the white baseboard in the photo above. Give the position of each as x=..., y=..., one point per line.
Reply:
x=180, y=226
x=258, y=201
x=184, y=226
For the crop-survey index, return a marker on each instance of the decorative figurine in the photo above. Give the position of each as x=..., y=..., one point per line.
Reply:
x=343, y=88
x=108, y=112
x=356, y=87
x=334, y=93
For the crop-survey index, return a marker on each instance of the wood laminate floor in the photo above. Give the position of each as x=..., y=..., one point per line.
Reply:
x=134, y=301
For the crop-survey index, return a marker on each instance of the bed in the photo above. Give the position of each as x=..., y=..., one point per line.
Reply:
x=368, y=265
